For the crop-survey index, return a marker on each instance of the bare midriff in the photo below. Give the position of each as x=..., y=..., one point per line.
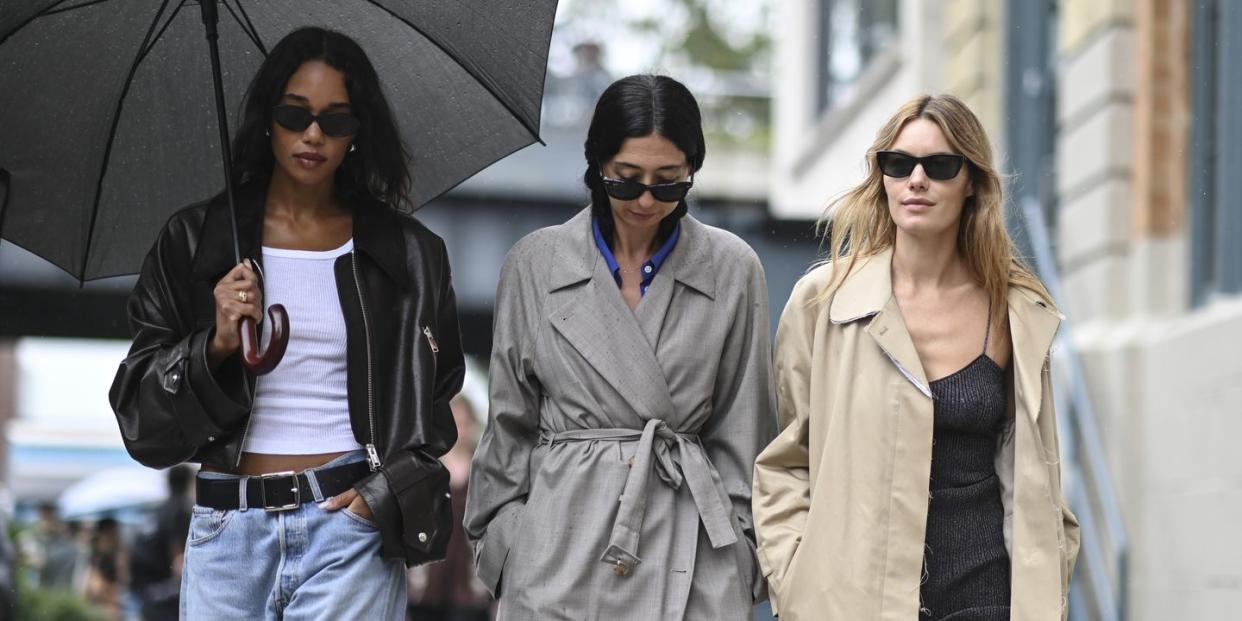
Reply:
x=255, y=464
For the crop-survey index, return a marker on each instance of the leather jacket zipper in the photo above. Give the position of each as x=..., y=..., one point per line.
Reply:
x=373, y=458
x=246, y=430
x=431, y=340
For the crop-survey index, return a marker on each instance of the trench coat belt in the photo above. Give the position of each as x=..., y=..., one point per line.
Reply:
x=687, y=463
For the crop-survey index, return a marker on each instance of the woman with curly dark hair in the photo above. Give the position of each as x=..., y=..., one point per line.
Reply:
x=319, y=478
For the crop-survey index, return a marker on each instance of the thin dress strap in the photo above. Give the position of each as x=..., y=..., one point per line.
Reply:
x=988, y=331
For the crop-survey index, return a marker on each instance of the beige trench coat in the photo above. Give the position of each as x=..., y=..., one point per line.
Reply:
x=840, y=496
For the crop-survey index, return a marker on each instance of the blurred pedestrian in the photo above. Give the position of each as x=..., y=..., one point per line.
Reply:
x=8, y=570
x=66, y=562
x=449, y=590
x=917, y=473
x=106, y=576
x=33, y=541
x=630, y=390
x=572, y=97
x=155, y=562
x=50, y=551
x=330, y=459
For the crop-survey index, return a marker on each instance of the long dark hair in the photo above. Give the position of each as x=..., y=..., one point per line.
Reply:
x=378, y=168
x=634, y=107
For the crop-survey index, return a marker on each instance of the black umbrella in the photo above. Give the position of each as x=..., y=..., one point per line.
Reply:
x=108, y=122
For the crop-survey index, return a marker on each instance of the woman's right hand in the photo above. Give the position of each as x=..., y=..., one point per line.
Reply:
x=237, y=295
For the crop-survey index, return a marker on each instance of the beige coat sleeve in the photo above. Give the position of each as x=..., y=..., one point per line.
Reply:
x=1070, y=530
x=782, y=497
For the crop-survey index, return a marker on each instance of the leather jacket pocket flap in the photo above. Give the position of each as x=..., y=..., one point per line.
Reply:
x=421, y=486
x=175, y=369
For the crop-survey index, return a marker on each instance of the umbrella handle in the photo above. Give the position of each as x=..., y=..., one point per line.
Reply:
x=263, y=363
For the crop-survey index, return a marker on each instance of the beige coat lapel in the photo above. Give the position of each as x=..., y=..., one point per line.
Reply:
x=868, y=291
x=1032, y=326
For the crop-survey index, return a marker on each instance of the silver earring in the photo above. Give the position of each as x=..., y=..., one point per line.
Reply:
x=353, y=147
x=267, y=132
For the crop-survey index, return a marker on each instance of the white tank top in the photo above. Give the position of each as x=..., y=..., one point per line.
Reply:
x=302, y=406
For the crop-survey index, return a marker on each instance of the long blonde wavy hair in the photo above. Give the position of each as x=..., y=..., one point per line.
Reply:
x=858, y=224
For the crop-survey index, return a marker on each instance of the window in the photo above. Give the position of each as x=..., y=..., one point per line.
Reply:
x=1216, y=150
x=851, y=33
x=1030, y=123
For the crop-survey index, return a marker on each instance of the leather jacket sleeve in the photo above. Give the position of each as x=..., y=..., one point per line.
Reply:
x=408, y=495
x=167, y=401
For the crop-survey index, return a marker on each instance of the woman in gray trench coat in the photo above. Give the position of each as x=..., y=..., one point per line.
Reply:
x=630, y=392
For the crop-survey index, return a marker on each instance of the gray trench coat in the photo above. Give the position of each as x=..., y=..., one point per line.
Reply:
x=613, y=480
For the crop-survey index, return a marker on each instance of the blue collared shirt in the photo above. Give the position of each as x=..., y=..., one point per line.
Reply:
x=650, y=268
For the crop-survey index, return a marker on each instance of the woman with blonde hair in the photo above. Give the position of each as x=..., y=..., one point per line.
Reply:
x=917, y=471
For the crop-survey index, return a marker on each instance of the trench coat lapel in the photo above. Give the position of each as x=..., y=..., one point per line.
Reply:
x=689, y=265
x=868, y=292
x=601, y=328
x=654, y=308
x=1032, y=327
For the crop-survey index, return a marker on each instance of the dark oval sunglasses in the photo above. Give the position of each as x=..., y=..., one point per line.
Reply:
x=941, y=167
x=335, y=124
x=629, y=189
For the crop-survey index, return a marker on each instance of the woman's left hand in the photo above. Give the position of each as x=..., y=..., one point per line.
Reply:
x=351, y=501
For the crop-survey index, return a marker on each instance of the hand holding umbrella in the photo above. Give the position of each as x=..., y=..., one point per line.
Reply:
x=239, y=305
x=242, y=318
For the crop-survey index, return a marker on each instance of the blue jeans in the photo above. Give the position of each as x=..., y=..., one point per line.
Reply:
x=305, y=563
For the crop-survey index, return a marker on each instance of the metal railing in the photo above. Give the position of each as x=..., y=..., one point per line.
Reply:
x=1098, y=591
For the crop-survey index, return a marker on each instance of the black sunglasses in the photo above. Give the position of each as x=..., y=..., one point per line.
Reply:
x=941, y=167
x=335, y=124
x=629, y=189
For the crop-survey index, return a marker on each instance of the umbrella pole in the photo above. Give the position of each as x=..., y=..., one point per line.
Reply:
x=6, y=184
x=259, y=363
x=211, y=18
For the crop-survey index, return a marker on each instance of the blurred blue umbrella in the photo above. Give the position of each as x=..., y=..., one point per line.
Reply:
x=110, y=490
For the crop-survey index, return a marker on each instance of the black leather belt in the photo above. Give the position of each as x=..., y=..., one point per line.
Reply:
x=280, y=491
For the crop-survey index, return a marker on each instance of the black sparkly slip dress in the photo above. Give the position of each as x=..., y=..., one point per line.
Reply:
x=966, y=565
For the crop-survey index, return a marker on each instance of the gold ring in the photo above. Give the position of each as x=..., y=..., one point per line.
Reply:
x=243, y=296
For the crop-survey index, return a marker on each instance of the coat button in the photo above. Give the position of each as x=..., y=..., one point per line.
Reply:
x=422, y=537
x=621, y=569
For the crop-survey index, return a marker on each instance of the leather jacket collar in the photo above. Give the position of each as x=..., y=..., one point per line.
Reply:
x=376, y=234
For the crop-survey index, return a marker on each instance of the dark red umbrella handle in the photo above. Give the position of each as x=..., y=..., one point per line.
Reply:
x=262, y=363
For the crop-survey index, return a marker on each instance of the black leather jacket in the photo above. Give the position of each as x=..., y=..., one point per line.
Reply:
x=403, y=347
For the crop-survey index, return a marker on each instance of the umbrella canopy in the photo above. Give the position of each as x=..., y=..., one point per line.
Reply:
x=113, y=489
x=108, y=117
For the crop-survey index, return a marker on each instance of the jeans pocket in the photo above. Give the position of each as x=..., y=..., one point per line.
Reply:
x=358, y=519
x=207, y=524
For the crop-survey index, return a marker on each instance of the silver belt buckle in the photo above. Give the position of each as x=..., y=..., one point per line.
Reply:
x=297, y=491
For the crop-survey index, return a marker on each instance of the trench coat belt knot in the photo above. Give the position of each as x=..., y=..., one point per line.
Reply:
x=678, y=458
